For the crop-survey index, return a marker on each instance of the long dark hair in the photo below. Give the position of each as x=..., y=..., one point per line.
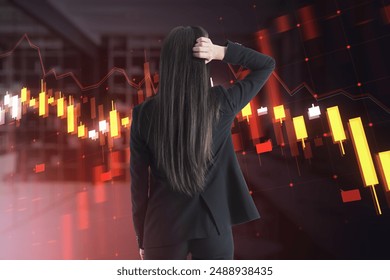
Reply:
x=184, y=113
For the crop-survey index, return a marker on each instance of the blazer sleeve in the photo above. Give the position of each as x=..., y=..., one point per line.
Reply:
x=260, y=66
x=139, y=173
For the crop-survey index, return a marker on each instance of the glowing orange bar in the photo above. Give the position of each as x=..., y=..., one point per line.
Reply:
x=23, y=95
x=384, y=163
x=60, y=107
x=32, y=102
x=247, y=111
x=125, y=121
x=42, y=103
x=81, y=131
x=336, y=126
x=71, y=120
x=114, y=124
x=363, y=154
x=300, y=129
x=279, y=113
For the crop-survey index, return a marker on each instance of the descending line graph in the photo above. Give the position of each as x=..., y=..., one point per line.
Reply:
x=57, y=76
x=116, y=70
x=330, y=94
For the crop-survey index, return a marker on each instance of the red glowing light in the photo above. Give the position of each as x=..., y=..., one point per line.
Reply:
x=348, y=46
x=291, y=185
x=370, y=124
x=338, y=12
x=306, y=59
x=264, y=147
x=359, y=84
x=39, y=168
x=106, y=176
x=298, y=25
x=335, y=176
x=351, y=195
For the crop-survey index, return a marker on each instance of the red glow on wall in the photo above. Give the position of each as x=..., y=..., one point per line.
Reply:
x=307, y=19
x=283, y=23
x=82, y=210
x=237, y=143
x=99, y=190
x=255, y=126
x=386, y=14
x=278, y=133
x=291, y=137
x=272, y=89
x=67, y=237
x=115, y=164
x=140, y=94
x=307, y=151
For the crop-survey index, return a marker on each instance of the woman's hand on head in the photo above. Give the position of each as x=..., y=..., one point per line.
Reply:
x=205, y=49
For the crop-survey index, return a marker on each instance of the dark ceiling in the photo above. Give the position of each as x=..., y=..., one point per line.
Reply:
x=155, y=17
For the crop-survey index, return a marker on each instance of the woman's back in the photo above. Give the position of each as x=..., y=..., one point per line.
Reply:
x=163, y=216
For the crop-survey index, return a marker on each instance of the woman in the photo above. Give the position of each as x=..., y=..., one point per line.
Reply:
x=195, y=191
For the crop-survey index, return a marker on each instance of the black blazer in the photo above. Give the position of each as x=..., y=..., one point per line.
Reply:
x=163, y=217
